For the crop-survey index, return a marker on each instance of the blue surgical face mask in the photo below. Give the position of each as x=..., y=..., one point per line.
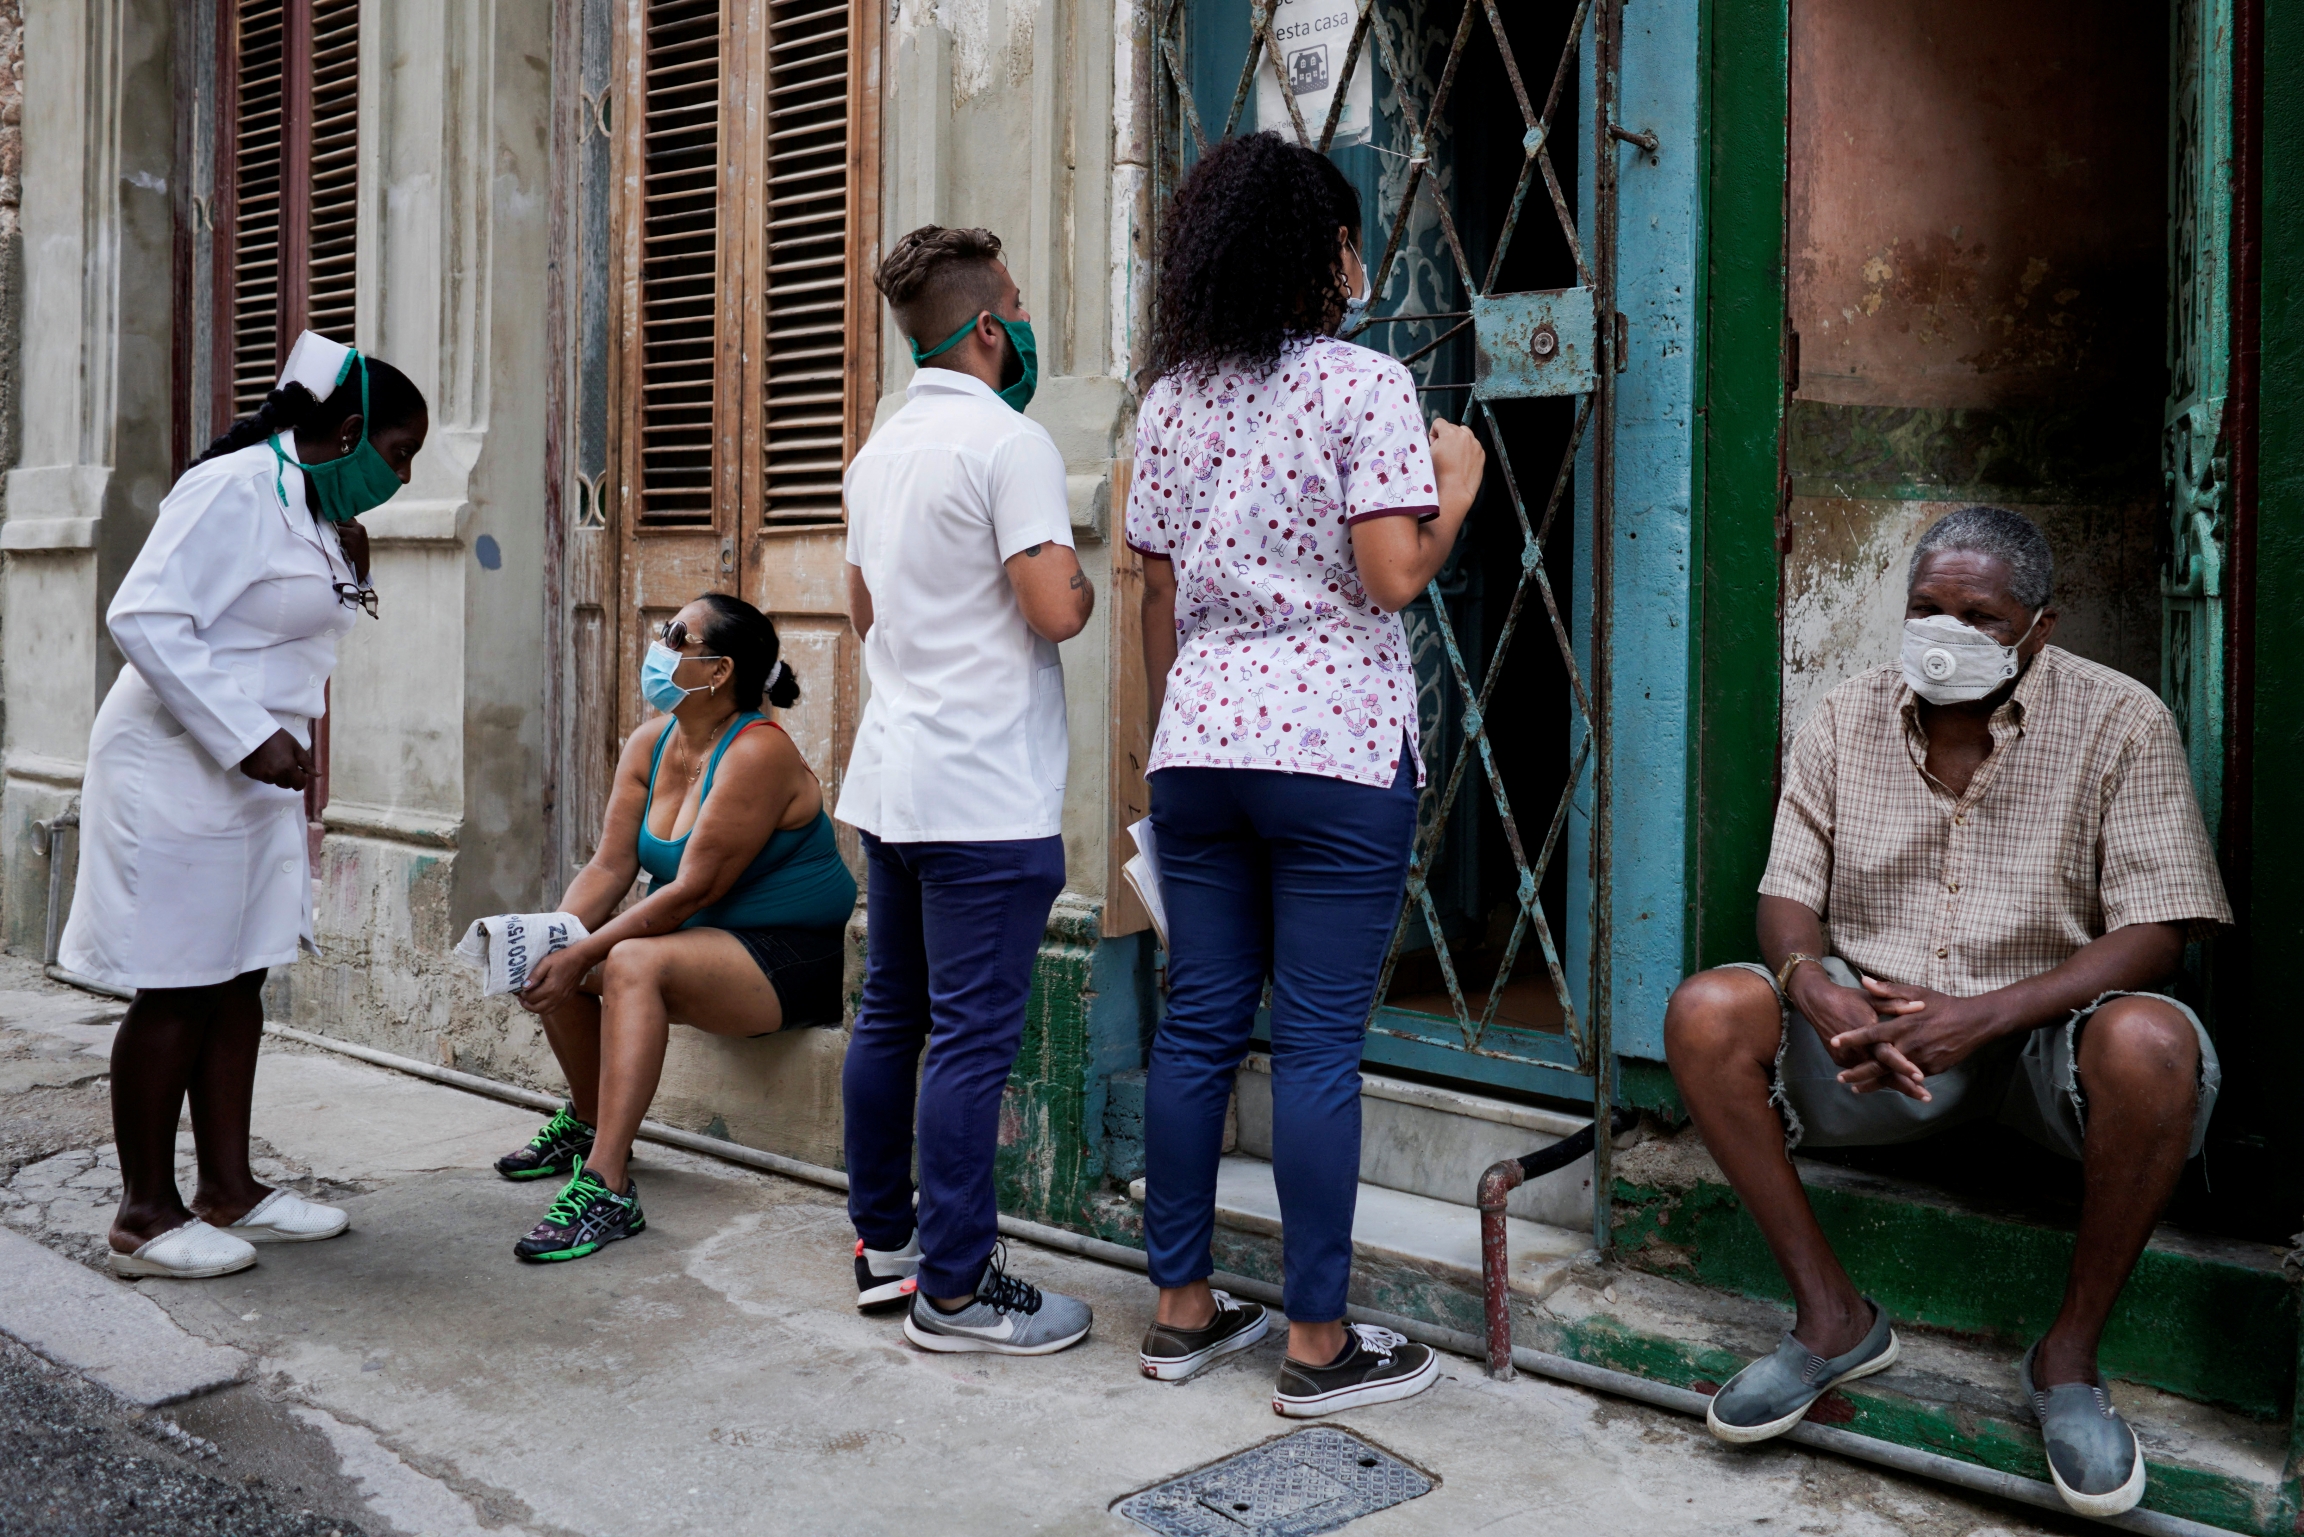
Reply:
x=656, y=682
x=1356, y=305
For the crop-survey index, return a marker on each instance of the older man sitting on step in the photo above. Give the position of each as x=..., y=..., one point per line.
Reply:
x=1984, y=860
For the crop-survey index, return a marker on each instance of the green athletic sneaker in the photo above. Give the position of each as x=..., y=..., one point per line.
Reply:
x=557, y=1150
x=585, y=1215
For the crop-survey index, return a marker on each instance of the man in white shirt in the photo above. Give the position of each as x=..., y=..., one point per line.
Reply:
x=961, y=580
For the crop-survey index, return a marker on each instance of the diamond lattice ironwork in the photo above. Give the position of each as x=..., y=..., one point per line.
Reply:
x=1549, y=343
x=1528, y=344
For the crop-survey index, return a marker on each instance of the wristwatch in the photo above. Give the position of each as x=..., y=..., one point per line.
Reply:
x=1784, y=972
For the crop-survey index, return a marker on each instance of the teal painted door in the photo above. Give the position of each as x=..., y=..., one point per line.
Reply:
x=2194, y=449
x=1465, y=143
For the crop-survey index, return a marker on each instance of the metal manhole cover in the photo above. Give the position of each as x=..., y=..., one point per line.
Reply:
x=1302, y=1484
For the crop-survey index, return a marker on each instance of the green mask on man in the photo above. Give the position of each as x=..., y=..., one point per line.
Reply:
x=1019, y=394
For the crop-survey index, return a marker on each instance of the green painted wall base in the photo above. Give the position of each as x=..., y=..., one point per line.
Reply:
x=1086, y=1020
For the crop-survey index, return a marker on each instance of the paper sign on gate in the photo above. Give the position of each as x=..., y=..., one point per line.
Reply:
x=1311, y=37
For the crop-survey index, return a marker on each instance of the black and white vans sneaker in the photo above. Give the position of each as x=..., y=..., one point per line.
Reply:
x=1171, y=1354
x=1377, y=1366
x=884, y=1276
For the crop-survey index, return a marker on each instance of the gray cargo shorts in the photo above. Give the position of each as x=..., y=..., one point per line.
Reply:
x=2030, y=1082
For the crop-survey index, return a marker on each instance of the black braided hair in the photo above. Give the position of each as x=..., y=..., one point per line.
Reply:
x=747, y=637
x=1249, y=257
x=393, y=400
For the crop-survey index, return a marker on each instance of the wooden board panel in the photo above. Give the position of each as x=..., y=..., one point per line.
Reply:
x=1131, y=726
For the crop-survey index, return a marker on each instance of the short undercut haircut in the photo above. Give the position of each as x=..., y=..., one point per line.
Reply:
x=938, y=279
x=2009, y=537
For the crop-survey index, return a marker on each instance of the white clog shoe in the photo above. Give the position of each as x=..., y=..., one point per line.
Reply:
x=286, y=1217
x=188, y=1253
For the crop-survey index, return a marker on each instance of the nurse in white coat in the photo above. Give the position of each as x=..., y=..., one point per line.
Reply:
x=194, y=874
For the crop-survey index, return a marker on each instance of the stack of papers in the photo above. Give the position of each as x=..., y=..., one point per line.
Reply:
x=1143, y=876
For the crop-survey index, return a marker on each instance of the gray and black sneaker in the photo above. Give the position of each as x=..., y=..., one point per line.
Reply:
x=559, y=1148
x=584, y=1216
x=1171, y=1354
x=1377, y=1366
x=1006, y=1316
x=884, y=1276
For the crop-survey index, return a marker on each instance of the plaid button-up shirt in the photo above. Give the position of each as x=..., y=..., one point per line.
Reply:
x=2080, y=821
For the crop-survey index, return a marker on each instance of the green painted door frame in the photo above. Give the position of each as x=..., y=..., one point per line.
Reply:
x=1735, y=681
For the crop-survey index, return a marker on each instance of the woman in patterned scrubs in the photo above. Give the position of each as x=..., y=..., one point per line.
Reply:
x=1289, y=501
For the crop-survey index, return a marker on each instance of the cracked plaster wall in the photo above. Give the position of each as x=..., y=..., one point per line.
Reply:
x=1978, y=212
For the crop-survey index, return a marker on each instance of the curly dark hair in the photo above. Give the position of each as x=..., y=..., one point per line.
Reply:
x=1249, y=261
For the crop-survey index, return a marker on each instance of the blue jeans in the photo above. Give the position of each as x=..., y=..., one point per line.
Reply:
x=952, y=932
x=1297, y=877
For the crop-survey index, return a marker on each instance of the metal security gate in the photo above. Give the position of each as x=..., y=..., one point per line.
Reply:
x=1446, y=307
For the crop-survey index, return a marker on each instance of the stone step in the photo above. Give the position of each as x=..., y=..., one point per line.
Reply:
x=1436, y=1142
x=2210, y=1319
x=1392, y=1229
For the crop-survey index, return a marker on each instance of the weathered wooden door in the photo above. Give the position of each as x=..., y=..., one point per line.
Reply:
x=2194, y=443
x=720, y=213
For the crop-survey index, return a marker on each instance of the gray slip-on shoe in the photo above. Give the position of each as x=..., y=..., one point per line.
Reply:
x=1772, y=1395
x=1006, y=1317
x=2092, y=1454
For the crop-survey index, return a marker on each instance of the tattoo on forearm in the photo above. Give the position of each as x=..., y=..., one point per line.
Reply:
x=1031, y=550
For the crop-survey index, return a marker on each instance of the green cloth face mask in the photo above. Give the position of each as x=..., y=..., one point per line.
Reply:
x=1019, y=394
x=349, y=484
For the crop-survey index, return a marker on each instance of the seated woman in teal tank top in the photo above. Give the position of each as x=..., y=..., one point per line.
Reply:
x=740, y=931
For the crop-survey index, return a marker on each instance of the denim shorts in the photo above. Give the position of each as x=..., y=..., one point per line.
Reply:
x=804, y=967
x=2030, y=1082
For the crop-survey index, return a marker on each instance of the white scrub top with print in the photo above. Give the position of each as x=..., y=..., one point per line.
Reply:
x=192, y=873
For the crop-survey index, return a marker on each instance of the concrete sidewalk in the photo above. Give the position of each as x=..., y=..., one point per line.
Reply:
x=713, y=1375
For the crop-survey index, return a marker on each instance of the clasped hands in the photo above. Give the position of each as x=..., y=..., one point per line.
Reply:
x=1886, y=1035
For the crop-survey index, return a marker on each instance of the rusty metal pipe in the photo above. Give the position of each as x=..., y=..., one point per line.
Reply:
x=1496, y=1187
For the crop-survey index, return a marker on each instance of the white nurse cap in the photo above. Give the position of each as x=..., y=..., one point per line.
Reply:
x=316, y=363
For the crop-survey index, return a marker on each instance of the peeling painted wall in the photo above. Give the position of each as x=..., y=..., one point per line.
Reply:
x=1977, y=200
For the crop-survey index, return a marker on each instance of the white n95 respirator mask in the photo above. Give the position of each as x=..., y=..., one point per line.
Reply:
x=1947, y=662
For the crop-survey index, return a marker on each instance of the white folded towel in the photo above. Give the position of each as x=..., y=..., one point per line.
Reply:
x=506, y=946
x=1143, y=874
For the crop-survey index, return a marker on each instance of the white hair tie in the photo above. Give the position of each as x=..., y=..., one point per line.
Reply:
x=774, y=673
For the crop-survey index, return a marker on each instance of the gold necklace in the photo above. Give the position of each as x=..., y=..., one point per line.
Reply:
x=702, y=757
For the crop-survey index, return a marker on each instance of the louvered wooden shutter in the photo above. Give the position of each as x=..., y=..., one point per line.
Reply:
x=290, y=151
x=803, y=395
x=679, y=246
x=334, y=182
x=257, y=134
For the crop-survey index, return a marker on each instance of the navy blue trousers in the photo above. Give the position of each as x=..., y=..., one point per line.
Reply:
x=952, y=932
x=1297, y=877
